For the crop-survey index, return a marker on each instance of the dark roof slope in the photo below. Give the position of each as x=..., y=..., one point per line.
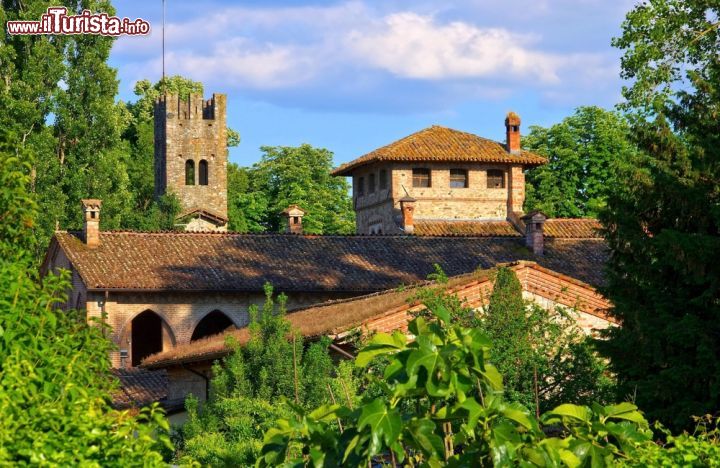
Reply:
x=139, y=387
x=186, y=261
x=442, y=144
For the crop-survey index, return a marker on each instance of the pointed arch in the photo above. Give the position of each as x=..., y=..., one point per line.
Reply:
x=147, y=333
x=213, y=323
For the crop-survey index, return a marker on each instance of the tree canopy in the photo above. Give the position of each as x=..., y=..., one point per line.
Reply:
x=663, y=222
x=586, y=153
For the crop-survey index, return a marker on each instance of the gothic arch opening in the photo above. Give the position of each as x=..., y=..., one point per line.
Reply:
x=203, y=172
x=146, y=336
x=213, y=323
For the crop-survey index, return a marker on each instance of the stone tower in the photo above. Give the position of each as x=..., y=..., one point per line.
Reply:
x=191, y=158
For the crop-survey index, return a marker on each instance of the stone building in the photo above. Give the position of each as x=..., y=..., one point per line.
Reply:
x=191, y=158
x=443, y=175
x=439, y=196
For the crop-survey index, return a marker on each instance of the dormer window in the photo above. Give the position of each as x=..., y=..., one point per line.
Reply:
x=458, y=178
x=495, y=178
x=421, y=177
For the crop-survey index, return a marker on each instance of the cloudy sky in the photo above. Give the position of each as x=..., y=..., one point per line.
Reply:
x=354, y=75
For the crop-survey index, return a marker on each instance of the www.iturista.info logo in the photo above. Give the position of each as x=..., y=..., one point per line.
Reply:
x=57, y=21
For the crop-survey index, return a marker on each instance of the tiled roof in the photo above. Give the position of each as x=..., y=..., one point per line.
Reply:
x=139, y=387
x=332, y=317
x=584, y=228
x=443, y=144
x=187, y=261
x=465, y=228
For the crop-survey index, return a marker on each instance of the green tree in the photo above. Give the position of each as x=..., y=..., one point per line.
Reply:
x=585, y=154
x=663, y=221
x=293, y=175
x=55, y=382
x=444, y=406
x=250, y=385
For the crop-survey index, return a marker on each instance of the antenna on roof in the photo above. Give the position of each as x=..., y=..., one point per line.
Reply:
x=406, y=192
x=163, y=45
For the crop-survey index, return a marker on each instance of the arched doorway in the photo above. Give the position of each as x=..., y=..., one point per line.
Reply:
x=213, y=323
x=146, y=336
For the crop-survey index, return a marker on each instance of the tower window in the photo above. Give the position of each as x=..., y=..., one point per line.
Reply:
x=189, y=172
x=383, y=179
x=421, y=177
x=495, y=178
x=203, y=172
x=458, y=178
x=371, y=183
x=361, y=186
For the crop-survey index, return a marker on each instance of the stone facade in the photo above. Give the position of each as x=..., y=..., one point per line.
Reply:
x=378, y=211
x=180, y=313
x=191, y=154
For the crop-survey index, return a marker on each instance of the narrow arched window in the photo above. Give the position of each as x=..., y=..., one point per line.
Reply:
x=203, y=172
x=189, y=172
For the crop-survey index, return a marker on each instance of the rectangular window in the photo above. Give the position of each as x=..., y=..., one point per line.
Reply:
x=361, y=186
x=495, y=178
x=371, y=183
x=458, y=178
x=383, y=179
x=421, y=177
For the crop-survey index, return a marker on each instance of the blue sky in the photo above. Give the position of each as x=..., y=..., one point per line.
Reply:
x=352, y=76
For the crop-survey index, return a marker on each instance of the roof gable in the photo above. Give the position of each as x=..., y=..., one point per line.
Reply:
x=442, y=144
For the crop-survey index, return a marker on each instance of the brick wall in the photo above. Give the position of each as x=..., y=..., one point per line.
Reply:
x=541, y=286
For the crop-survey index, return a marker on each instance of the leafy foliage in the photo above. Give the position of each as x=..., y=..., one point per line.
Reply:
x=456, y=415
x=250, y=384
x=55, y=382
x=663, y=222
x=290, y=175
x=586, y=152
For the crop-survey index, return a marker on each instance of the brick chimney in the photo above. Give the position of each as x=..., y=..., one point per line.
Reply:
x=91, y=226
x=534, y=236
x=407, y=207
x=294, y=215
x=512, y=132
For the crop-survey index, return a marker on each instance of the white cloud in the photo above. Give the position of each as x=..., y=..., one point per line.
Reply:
x=333, y=51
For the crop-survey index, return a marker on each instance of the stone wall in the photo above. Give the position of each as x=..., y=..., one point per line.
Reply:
x=192, y=130
x=180, y=312
x=439, y=201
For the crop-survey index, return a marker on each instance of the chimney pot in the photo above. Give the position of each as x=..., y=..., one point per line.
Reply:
x=91, y=225
x=294, y=215
x=407, y=207
x=512, y=132
x=534, y=231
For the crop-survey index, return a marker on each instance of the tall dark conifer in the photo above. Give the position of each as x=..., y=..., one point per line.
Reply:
x=663, y=221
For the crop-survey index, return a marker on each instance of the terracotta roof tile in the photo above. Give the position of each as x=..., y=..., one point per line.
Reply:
x=187, y=261
x=465, y=228
x=438, y=143
x=584, y=228
x=139, y=387
x=329, y=318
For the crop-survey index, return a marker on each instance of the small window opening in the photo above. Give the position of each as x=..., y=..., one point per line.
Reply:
x=421, y=177
x=361, y=186
x=296, y=220
x=458, y=178
x=495, y=178
x=92, y=214
x=371, y=183
x=189, y=172
x=203, y=172
x=383, y=179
